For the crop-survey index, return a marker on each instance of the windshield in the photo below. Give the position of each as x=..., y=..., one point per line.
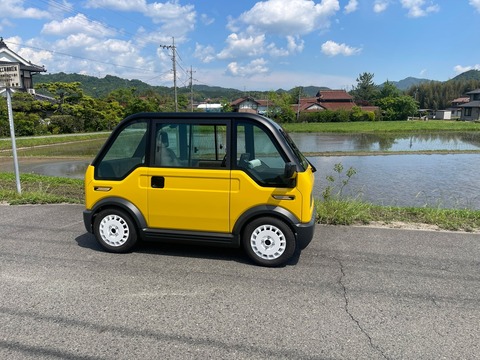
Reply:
x=302, y=159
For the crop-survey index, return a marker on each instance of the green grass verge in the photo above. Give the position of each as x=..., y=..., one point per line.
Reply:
x=348, y=212
x=384, y=127
x=39, y=189
x=6, y=144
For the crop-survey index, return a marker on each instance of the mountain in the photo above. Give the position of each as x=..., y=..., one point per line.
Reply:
x=408, y=82
x=99, y=87
x=467, y=76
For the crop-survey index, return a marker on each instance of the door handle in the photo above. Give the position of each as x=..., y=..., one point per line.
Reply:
x=158, y=182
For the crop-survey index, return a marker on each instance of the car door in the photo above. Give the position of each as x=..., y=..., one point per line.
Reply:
x=189, y=179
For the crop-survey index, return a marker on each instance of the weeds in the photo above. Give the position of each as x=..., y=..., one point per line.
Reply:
x=337, y=209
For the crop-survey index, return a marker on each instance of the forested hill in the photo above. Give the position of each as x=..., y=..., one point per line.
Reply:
x=467, y=76
x=99, y=87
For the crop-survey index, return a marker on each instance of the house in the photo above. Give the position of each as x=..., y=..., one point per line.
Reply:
x=471, y=109
x=251, y=105
x=324, y=100
x=27, y=70
x=335, y=100
x=455, y=109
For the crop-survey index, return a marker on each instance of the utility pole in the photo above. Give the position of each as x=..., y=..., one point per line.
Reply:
x=300, y=90
x=174, y=51
x=191, y=87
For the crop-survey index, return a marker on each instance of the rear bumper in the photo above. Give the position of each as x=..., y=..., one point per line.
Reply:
x=305, y=232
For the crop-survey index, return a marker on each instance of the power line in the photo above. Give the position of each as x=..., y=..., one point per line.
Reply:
x=76, y=57
x=174, y=51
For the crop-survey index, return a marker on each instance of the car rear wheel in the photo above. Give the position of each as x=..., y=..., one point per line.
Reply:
x=269, y=241
x=115, y=230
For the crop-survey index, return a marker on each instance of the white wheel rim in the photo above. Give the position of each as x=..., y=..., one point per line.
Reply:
x=114, y=230
x=268, y=242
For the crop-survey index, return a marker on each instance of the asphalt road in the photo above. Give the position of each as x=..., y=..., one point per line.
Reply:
x=354, y=293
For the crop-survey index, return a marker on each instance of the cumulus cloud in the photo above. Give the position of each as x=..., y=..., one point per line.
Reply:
x=205, y=54
x=207, y=20
x=289, y=17
x=475, y=4
x=255, y=67
x=174, y=19
x=243, y=46
x=33, y=54
x=380, y=6
x=331, y=48
x=122, y=5
x=75, y=25
x=352, y=6
x=461, y=69
x=16, y=9
x=419, y=8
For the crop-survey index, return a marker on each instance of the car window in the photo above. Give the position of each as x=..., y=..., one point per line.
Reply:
x=258, y=155
x=125, y=153
x=190, y=145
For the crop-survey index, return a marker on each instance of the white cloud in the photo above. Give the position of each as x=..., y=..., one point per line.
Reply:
x=205, y=54
x=461, y=69
x=122, y=5
x=243, y=46
x=207, y=20
x=289, y=17
x=16, y=9
x=176, y=20
x=475, y=4
x=332, y=48
x=255, y=67
x=380, y=6
x=32, y=53
x=78, y=24
x=294, y=45
x=418, y=8
x=352, y=6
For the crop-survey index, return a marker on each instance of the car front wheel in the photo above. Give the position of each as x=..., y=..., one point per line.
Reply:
x=269, y=241
x=115, y=230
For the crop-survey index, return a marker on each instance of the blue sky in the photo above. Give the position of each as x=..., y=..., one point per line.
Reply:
x=247, y=45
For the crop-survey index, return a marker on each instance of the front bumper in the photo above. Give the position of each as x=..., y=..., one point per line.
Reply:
x=305, y=232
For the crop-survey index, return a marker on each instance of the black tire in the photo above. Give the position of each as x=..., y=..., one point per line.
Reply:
x=115, y=230
x=269, y=241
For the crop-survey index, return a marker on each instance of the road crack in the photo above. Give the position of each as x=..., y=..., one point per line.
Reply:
x=347, y=310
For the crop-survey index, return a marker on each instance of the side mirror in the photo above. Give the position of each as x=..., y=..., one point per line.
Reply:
x=290, y=171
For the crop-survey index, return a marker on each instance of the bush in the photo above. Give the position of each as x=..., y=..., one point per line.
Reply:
x=326, y=116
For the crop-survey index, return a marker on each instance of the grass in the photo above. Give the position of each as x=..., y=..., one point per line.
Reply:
x=385, y=127
x=350, y=212
x=6, y=143
x=40, y=189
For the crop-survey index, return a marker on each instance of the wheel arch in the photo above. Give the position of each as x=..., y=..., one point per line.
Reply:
x=265, y=210
x=121, y=204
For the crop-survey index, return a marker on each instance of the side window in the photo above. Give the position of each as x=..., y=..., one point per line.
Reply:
x=166, y=146
x=209, y=145
x=190, y=145
x=258, y=155
x=126, y=152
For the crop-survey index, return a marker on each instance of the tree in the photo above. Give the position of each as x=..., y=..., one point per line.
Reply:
x=281, y=108
x=397, y=107
x=366, y=91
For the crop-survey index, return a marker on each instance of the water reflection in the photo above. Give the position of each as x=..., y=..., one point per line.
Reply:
x=445, y=181
x=320, y=142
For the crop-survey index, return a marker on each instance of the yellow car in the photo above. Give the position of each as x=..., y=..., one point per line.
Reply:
x=228, y=179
